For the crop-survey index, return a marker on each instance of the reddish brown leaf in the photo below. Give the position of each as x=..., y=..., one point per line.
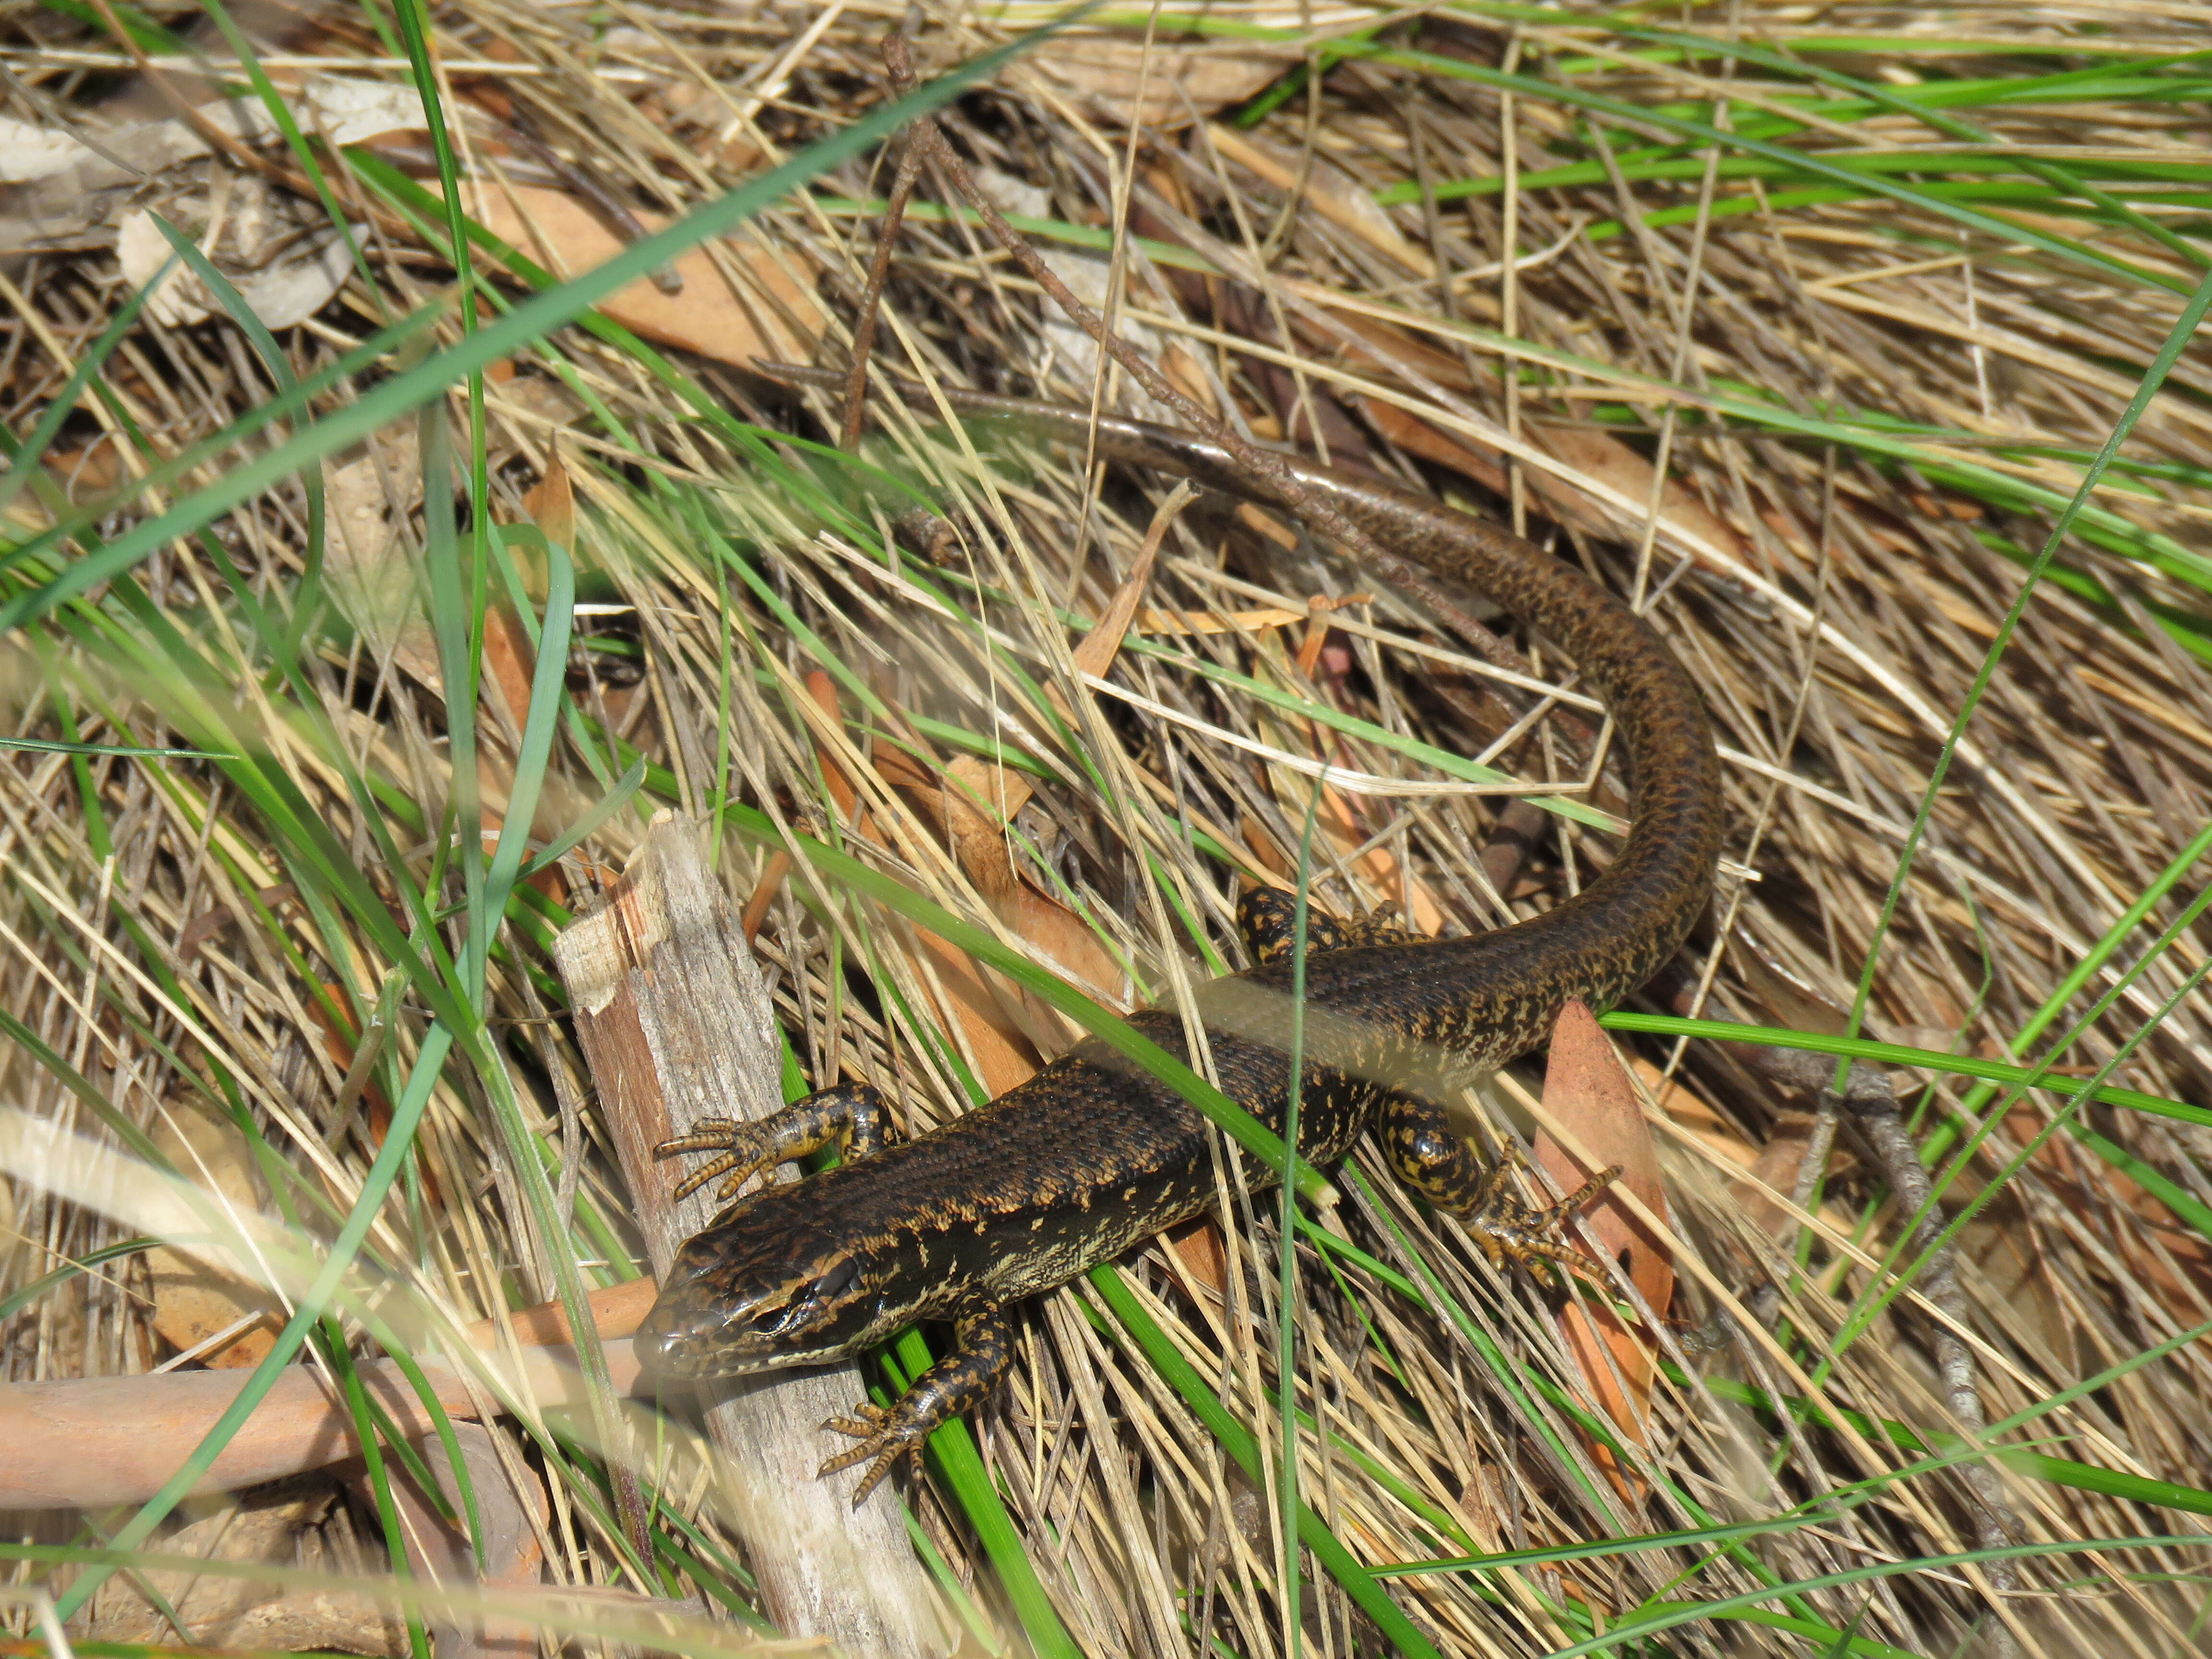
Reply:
x=1204, y=1252
x=195, y=1299
x=561, y=234
x=551, y=504
x=1590, y=1096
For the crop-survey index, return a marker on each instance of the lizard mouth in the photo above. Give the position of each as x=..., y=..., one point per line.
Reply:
x=683, y=1342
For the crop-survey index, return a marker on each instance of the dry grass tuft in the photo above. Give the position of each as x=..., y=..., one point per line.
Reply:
x=1818, y=430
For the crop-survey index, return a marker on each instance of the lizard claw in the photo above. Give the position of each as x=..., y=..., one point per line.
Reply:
x=1507, y=1230
x=742, y=1149
x=885, y=1435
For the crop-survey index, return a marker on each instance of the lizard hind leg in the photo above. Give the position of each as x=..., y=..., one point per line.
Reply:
x=1268, y=919
x=1384, y=925
x=1435, y=1162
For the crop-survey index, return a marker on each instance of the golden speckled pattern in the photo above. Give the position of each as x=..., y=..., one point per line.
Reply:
x=1091, y=1156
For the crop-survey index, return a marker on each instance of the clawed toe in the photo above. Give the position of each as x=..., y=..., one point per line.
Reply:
x=1509, y=1231
x=883, y=1436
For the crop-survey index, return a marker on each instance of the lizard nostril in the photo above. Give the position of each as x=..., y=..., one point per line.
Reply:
x=657, y=1346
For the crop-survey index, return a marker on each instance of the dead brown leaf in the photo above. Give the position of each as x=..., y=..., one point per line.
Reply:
x=780, y=321
x=551, y=504
x=1346, y=828
x=1203, y=1251
x=1160, y=86
x=371, y=498
x=1589, y=1095
x=1329, y=190
x=193, y=1299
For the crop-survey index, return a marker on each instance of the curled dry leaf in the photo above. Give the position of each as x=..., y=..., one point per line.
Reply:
x=193, y=1300
x=370, y=499
x=1591, y=1097
x=345, y=111
x=983, y=798
x=509, y=661
x=29, y=153
x=987, y=1013
x=373, y=568
x=57, y=194
x=284, y=273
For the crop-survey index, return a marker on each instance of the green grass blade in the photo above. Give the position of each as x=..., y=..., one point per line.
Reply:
x=1361, y=1585
x=1640, y=117
x=401, y=394
x=612, y=802
x=2184, y=329
x=1897, y=1054
x=16, y=1301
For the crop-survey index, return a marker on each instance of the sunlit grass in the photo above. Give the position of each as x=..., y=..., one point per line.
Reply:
x=232, y=715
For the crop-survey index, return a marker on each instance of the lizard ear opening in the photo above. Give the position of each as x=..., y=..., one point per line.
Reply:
x=833, y=1283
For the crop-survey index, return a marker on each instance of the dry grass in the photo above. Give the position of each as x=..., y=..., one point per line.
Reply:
x=1868, y=415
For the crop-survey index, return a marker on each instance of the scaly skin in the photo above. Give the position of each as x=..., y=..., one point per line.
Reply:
x=1091, y=1156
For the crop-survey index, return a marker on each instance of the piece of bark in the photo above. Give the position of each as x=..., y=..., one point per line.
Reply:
x=441, y=1552
x=674, y=1020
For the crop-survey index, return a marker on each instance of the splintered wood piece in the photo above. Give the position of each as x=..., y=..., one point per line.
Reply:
x=95, y=1442
x=674, y=1019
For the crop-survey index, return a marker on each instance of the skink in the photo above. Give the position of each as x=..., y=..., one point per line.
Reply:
x=1089, y=1156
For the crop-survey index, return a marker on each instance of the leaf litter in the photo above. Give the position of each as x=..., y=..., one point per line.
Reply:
x=1818, y=431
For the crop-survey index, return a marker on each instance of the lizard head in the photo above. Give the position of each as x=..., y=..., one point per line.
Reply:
x=766, y=1286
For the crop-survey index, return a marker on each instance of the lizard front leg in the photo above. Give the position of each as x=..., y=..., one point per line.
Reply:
x=982, y=1352
x=850, y=1116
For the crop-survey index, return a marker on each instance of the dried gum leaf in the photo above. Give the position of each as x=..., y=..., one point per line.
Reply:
x=559, y=232
x=1159, y=86
x=195, y=1299
x=1589, y=1093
